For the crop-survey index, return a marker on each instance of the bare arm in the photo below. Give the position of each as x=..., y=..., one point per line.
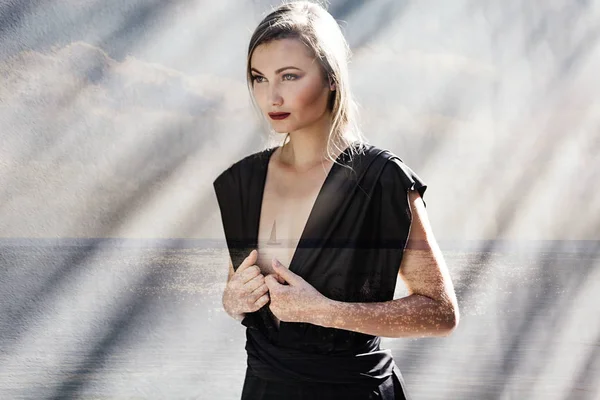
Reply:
x=235, y=316
x=431, y=309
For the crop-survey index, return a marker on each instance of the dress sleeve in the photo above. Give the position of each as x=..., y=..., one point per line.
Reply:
x=226, y=187
x=394, y=215
x=400, y=178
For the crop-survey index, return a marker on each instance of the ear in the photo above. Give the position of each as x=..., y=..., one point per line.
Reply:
x=331, y=83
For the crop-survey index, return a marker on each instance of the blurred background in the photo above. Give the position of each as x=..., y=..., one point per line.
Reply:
x=116, y=116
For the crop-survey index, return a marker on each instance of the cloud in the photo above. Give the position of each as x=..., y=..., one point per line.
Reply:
x=94, y=134
x=120, y=85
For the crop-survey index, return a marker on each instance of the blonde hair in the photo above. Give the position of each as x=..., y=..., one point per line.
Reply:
x=310, y=23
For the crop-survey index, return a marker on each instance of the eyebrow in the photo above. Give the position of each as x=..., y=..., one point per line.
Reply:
x=277, y=71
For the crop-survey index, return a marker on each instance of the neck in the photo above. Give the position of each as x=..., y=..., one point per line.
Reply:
x=307, y=147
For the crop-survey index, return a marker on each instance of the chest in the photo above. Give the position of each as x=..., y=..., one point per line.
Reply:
x=287, y=203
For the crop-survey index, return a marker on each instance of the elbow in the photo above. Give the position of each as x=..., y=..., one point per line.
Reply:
x=447, y=331
x=451, y=321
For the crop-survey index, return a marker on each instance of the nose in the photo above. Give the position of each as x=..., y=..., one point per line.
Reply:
x=274, y=96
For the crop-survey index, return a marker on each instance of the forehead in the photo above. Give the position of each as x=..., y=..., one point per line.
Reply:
x=272, y=55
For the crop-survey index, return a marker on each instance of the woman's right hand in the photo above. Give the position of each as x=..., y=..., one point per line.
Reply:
x=246, y=291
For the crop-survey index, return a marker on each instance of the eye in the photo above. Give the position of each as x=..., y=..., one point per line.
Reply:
x=293, y=76
x=257, y=78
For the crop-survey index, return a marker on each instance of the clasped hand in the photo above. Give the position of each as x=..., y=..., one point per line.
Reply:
x=295, y=302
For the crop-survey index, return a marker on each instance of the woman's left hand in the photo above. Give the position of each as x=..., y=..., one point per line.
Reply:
x=296, y=301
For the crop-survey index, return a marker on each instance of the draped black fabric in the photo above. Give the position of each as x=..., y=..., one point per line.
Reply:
x=350, y=250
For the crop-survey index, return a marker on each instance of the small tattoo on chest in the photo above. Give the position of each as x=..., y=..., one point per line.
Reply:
x=273, y=236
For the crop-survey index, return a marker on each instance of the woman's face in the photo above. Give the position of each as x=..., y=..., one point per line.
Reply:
x=286, y=78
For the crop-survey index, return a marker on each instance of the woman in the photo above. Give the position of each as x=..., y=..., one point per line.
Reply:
x=319, y=228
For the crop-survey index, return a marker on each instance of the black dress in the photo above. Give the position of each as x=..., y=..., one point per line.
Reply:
x=350, y=250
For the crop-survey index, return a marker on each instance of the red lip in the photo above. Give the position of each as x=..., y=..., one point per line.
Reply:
x=279, y=115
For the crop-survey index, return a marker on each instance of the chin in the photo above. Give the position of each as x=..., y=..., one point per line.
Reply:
x=280, y=129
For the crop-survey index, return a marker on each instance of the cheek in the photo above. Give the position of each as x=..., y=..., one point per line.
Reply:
x=259, y=96
x=308, y=97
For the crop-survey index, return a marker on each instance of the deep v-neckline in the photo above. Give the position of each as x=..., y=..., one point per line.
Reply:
x=296, y=259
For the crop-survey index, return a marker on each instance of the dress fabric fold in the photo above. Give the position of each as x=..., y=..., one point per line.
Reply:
x=350, y=250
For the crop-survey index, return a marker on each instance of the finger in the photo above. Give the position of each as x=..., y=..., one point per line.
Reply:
x=262, y=300
x=261, y=290
x=250, y=273
x=285, y=273
x=248, y=261
x=271, y=281
x=254, y=284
